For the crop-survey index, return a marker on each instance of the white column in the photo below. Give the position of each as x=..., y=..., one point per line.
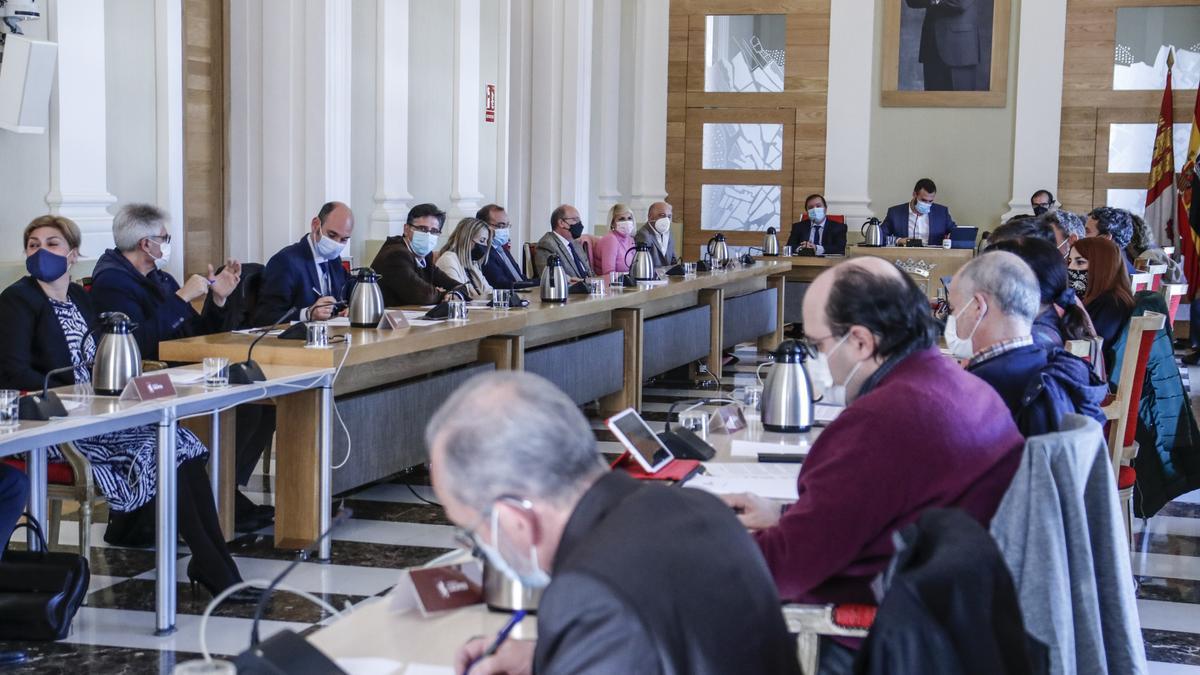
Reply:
x=1039, y=84
x=649, y=139
x=168, y=76
x=848, y=114
x=281, y=104
x=610, y=95
x=519, y=114
x=78, y=125
x=391, y=119
x=244, y=175
x=561, y=108
x=465, y=197
x=327, y=103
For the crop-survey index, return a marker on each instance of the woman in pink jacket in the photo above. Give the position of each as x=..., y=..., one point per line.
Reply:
x=608, y=255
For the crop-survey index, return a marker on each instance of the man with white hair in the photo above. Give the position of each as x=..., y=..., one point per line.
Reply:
x=639, y=578
x=996, y=299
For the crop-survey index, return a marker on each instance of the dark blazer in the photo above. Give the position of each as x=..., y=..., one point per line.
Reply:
x=940, y=223
x=497, y=269
x=289, y=279
x=150, y=302
x=655, y=579
x=550, y=244
x=646, y=234
x=833, y=235
x=14, y=494
x=32, y=343
x=950, y=32
x=403, y=282
x=1040, y=386
x=1110, y=319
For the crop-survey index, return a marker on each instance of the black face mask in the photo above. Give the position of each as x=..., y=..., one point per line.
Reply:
x=478, y=251
x=1078, y=280
x=1039, y=210
x=577, y=230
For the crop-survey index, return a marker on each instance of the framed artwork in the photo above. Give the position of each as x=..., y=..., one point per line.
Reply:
x=945, y=53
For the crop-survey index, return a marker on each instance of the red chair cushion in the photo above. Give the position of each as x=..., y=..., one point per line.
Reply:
x=1126, y=477
x=854, y=616
x=57, y=473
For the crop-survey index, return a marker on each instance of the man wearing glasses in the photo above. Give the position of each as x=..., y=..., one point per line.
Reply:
x=308, y=276
x=501, y=269
x=565, y=227
x=405, y=263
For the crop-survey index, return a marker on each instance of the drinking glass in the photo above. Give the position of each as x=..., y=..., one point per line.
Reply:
x=8, y=407
x=689, y=270
x=614, y=280
x=891, y=240
x=317, y=334
x=501, y=297
x=458, y=309
x=596, y=286
x=216, y=371
x=696, y=421
x=787, y=251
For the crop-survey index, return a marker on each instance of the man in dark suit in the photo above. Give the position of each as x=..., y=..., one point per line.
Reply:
x=500, y=270
x=950, y=44
x=308, y=276
x=565, y=227
x=405, y=263
x=638, y=577
x=920, y=218
x=818, y=232
x=14, y=494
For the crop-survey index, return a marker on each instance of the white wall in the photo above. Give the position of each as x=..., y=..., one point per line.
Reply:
x=362, y=133
x=130, y=84
x=24, y=176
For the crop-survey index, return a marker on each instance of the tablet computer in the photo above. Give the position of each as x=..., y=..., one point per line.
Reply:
x=641, y=441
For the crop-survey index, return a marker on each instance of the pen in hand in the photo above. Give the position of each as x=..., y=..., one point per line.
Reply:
x=500, y=638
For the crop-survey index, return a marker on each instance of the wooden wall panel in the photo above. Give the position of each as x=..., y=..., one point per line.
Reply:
x=804, y=100
x=204, y=134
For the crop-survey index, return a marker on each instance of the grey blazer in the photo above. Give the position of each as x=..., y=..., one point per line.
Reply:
x=647, y=235
x=550, y=244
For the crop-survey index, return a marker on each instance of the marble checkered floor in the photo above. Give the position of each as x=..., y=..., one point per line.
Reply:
x=393, y=528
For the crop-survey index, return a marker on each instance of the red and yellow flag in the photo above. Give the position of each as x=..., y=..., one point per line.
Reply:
x=1161, y=199
x=1189, y=206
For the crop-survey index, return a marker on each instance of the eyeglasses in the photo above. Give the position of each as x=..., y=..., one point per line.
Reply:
x=164, y=238
x=426, y=230
x=568, y=221
x=811, y=346
x=500, y=226
x=466, y=537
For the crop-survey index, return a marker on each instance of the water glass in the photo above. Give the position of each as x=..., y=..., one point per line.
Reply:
x=458, y=309
x=614, y=280
x=891, y=240
x=216, y=371
x=595, y=286
x=202, y=667
x=787, y=251
x=947, y=243
x=316, y=335
x=8, y=407
x=751, y=395
x=501, y=297
x=689, y=270
x=696, y=421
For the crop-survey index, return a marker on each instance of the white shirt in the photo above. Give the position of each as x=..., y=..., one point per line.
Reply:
x=918, y=226
x=817, y=238
x=322, y=277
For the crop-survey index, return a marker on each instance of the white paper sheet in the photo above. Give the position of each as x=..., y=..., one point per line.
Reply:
x=187, y=377
x=771, y=481
x=826, y=413
x=426, y=669
x=754, y=448
x=339, y=321
x=356, y=665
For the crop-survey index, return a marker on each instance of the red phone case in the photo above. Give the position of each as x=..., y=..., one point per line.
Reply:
x=676, y=469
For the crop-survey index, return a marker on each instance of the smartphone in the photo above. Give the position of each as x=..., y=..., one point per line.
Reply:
x=641, y=441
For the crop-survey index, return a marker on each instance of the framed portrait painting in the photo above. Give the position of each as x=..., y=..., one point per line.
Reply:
x=945, y=53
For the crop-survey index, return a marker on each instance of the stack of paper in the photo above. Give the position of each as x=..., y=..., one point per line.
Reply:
x=770, y=481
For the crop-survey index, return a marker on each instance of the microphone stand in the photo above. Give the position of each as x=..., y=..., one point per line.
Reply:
x=248, y=371
x=41, y=407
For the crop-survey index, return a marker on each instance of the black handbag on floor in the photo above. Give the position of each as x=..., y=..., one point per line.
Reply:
x=40, y=591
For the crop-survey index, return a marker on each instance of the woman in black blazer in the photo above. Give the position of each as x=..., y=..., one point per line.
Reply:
x=49, y=326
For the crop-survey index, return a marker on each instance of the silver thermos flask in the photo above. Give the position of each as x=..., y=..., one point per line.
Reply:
x=787, y=397
x=642, y=267
x=770, y=243
x=118, y=359
x=718, y=251
x=366, y=301
x=554, y=281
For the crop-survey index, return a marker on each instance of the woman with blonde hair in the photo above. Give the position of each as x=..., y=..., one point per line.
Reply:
x=609, y=254
x=464, y=255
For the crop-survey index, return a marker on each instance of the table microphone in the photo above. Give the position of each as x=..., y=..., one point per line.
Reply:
x=43, y=406
x=247, y=372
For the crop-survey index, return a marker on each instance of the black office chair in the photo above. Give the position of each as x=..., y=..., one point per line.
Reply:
x=240, y=306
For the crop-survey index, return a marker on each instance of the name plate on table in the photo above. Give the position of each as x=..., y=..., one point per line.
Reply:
x=728, y=418
x=392, y=319
x=437, y=589
x=149, y=387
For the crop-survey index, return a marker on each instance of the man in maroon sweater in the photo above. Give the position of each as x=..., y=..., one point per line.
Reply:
x=918, y=432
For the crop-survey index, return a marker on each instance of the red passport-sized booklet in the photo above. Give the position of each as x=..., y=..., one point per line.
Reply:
x=677, y=469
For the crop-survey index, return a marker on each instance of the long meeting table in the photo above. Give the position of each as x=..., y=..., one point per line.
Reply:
x=388, y=382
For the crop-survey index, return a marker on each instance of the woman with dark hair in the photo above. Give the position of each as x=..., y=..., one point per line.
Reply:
x=1097, y=270
x=1062, y=316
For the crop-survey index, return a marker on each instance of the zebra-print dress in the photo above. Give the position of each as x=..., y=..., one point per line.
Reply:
x=124, y=463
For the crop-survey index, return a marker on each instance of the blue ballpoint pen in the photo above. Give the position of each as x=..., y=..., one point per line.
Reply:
x=500, y=638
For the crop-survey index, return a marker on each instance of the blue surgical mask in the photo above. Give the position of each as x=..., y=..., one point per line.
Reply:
x=329, y=249
x=924, y=208
x=816, y=214
x=45, y=265
x=423, y=243
x=500, y=238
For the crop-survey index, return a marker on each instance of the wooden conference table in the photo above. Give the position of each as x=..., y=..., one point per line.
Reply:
x=391, y=380
x=945, y=261
x=374, y=630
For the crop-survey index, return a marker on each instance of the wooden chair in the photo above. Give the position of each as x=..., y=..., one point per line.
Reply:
x=529, y=260
x=1080, y=348
x=1173, y=295
x=1140, y=281
x=809, y=622
x=1122, y=409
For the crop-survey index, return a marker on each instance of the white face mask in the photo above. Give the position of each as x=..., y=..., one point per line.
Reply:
x=164, y=258
x=533, y=577
x=960, y=348
x=835, y=394
x=662, y=225
x=625, y=227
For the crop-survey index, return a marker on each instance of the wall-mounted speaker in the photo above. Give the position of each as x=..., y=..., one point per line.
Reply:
x=26, y=78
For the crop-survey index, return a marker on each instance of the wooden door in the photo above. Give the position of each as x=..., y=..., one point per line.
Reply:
x=204, y=134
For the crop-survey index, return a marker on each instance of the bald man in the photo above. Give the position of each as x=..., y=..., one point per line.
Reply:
x=657, y=233
x=918, y=432
x=307, y=277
